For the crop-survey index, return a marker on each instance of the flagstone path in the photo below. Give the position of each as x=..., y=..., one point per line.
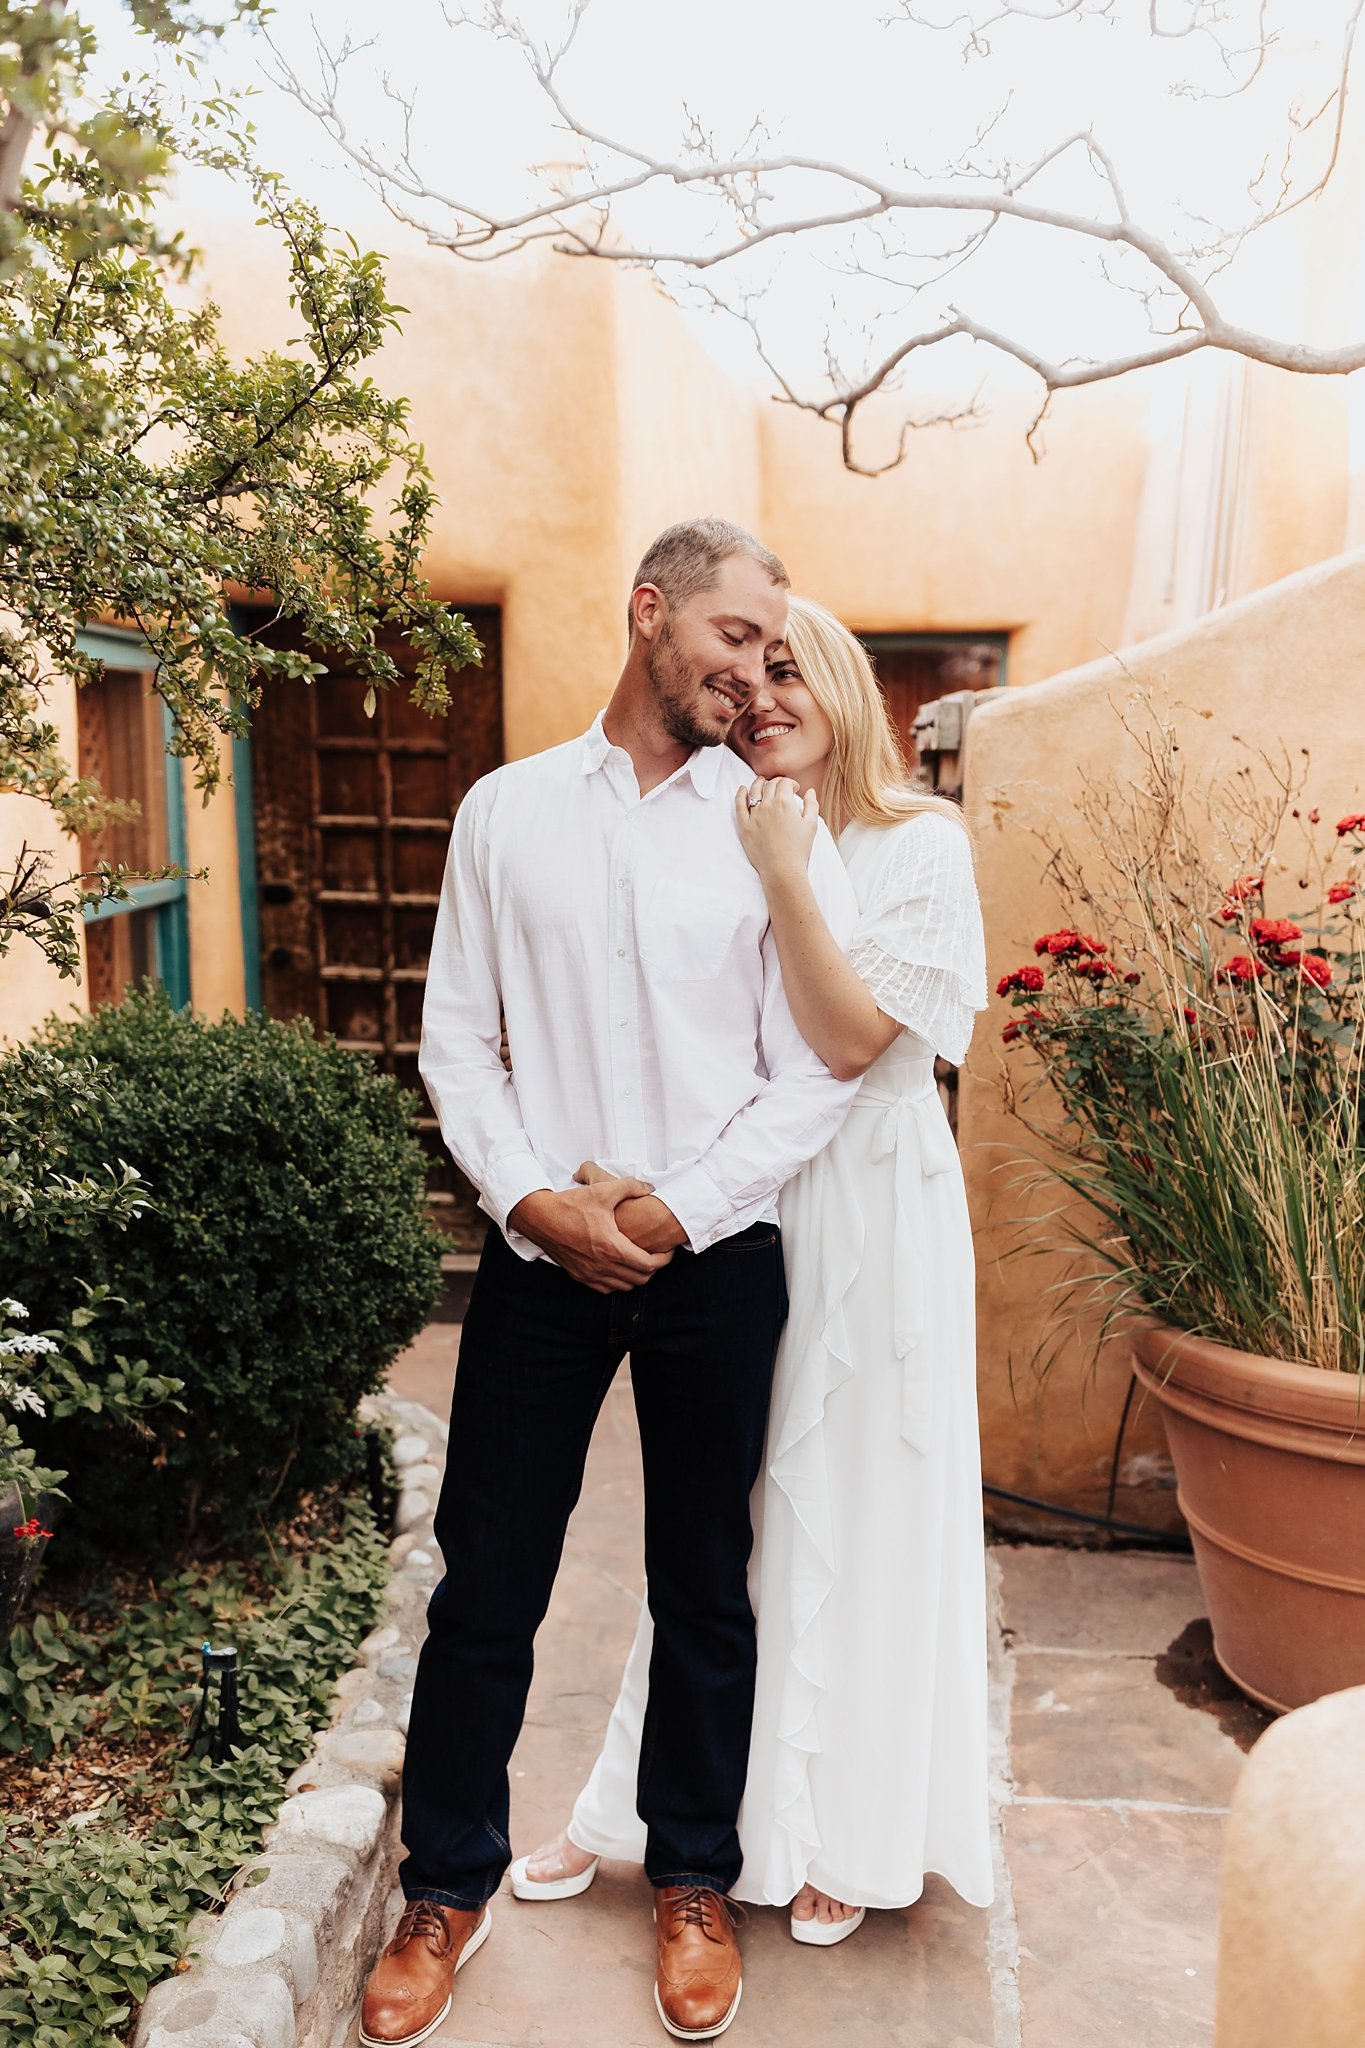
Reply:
x=1117, y=1748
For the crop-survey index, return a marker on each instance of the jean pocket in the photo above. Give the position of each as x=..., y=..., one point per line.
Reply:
x=758, y=1237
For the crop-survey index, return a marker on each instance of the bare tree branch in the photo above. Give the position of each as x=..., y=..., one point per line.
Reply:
x=749, y=189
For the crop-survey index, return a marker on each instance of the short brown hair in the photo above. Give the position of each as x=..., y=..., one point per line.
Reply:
x=686, y=558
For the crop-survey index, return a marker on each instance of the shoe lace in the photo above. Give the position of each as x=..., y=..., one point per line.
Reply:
x=697, y=1906
x=421, y=1920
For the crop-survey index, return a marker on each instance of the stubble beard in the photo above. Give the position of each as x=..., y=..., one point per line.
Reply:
x=675, y=695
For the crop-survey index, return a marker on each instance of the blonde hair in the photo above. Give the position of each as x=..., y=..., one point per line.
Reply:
x=868, y=780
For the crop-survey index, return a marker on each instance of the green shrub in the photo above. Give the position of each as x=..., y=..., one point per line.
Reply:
x=43, y=1372
x=283, y=1262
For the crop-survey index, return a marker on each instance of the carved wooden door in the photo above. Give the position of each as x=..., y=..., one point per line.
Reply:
x=915, y=668
x=353, y=819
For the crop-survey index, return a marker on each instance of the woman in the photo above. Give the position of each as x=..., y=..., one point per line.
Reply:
x=867, y=1765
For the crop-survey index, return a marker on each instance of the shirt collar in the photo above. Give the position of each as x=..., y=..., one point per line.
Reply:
x=702, y=764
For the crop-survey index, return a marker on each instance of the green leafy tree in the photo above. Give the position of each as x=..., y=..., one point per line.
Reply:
x=144, y=476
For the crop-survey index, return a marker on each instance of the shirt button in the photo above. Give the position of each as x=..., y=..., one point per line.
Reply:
x=620, y=952
x=625, y=1023
x=625, y=1091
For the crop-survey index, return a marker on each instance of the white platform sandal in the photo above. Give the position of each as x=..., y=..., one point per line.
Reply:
x=524, y=1886
x=827, y=1933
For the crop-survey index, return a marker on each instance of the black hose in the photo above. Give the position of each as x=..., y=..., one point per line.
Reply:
x=1160, y=1539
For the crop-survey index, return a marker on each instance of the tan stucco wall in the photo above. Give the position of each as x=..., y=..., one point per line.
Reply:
x=1297, y=497
x=1291, y=1964
x=1290, y=1952
x=688, y=438
x=217, y=968
x=31, y=989
x=970, y=533
x=1283, y=667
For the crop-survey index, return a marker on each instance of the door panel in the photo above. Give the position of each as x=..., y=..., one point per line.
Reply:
x=353, y=818
x=916, y=668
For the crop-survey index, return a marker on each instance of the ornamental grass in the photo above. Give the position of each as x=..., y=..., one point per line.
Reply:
x=1207, y=1056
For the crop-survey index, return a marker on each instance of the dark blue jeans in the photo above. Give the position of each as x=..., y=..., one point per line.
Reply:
x=537, y=1355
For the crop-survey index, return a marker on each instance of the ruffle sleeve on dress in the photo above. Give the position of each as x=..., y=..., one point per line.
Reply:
x=919, y=944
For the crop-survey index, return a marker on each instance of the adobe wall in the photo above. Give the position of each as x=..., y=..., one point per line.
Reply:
x=1283, y=667
x=30, y=989
x=970, y=534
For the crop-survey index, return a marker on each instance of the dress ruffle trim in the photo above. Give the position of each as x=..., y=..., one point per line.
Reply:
x=798, y=1468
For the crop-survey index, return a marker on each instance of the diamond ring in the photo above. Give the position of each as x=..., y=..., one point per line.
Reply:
x=754, y=799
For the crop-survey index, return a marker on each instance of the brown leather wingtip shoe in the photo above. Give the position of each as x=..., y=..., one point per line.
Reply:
x=411, y=1987
x=698, y=1986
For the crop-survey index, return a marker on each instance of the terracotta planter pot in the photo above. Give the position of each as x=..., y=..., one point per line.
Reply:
x=1270, y=1465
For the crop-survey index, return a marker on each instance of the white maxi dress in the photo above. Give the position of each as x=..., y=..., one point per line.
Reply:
x=868, y=1765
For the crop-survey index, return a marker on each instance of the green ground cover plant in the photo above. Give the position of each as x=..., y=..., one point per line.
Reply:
x=281, y=1261
x=110, y=1836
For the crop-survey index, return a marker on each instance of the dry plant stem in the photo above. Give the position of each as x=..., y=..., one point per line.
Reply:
x=747, y=188
x=1212, y=1127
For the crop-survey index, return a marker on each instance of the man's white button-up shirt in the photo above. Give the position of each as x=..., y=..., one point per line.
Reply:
x=625, y=939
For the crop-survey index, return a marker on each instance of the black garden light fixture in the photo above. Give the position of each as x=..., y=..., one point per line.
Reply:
x=226, y=1734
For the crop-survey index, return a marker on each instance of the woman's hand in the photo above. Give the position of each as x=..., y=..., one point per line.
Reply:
x=777, y=825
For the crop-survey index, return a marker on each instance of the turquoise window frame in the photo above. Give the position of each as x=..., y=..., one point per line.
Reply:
x=247, y=880
x=168, y=902
x=242, y=619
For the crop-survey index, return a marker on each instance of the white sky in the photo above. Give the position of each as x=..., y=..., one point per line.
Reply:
x=832, y=78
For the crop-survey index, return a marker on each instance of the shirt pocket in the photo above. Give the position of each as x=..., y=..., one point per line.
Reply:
x=688, y=934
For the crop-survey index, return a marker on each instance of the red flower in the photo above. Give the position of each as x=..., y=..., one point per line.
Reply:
x=33, y=1527
x=1341, y=892
x=1315, y=969
x=1096, y=970
x=1273, y=931
x=1062, y=945
x=1241, y=892
x=1019, y=1025
x=1189, y=1015
x=1239, y=968
x=1030, y=979
x=1133, y=979
x=1354, y=821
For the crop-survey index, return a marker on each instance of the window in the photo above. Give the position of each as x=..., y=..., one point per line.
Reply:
x=124, y=735
x=915, y=668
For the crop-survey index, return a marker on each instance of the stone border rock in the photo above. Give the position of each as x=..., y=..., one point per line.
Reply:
x=286, y=1959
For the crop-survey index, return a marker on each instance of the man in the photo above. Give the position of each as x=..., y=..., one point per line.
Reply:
x=598, y=897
